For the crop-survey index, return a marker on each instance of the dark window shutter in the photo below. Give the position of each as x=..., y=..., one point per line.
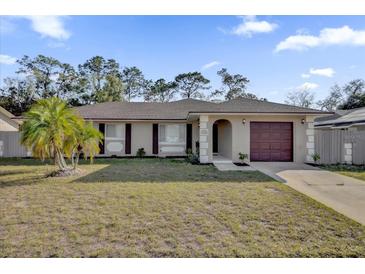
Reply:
x=101, y=145
x=189, y=136
x=128, y=135
x=155, y=139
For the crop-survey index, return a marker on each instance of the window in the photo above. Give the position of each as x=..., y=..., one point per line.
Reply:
x=114, y=131
x=172, y=134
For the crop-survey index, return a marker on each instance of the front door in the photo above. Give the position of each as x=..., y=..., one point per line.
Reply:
x=215, y=138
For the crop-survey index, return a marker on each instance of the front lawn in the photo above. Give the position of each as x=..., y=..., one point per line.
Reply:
x=164, y=208
x=357, y=172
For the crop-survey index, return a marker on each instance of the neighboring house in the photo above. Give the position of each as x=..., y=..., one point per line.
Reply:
x=265, y=131
x=7, y=123
x=340, y=138
x=9, y=136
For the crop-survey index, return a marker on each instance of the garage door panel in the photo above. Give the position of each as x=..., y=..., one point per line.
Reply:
x=271, y=141
x=275, y=156
x=286, y=146
x=275, y=126
x=264, y=156
x=275, y=146
x=275, y=136
x=287, y=126
x=264, y=146
x=286, y=136
x=286, y=156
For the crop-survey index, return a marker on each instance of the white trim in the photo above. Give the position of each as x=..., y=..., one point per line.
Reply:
x=173, y=144
x=172, y=149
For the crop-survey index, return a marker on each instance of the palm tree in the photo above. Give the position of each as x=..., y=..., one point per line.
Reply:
x=87, y=143
x=50, y=127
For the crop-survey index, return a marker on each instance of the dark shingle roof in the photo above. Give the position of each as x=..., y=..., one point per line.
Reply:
x=342, y=117
x=179, y=110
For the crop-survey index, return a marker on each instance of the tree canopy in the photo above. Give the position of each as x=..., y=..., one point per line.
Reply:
x=300, y=98
x=191, y=84
x=233, y=86
x=349, y=96
x=101, y=80
x=161, y=91
x=135, y=84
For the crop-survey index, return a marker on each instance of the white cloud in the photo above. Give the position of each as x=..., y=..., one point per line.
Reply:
x=305, y=75
x=210, y=65
x=328, y=36
x=7, y=60
x=327, y=72
x=50, y=26
x=307, y=86
x=251, y=25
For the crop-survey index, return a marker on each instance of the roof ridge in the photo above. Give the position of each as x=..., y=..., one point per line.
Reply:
x=269, y=102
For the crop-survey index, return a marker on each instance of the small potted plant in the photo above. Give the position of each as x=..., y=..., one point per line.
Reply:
x=242, y=157
x=316, y=157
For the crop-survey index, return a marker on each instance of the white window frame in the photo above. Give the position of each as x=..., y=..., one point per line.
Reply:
x=171, y=143
x=114, y=138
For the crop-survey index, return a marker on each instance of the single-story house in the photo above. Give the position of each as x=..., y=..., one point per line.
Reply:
x=340, y=138
x=264, y=130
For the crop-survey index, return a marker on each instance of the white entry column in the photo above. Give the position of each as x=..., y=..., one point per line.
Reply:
x=310, y=139
x=203, y=139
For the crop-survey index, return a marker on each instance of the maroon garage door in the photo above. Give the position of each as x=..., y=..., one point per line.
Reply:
x=271, y=141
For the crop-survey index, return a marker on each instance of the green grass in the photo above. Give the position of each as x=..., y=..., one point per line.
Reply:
x=164, y=208
x=357, y=172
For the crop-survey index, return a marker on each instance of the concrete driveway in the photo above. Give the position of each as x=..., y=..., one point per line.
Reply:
x=344, y=194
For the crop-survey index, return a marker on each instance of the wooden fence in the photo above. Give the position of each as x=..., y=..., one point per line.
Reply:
x=330, y=144
x=10, y=145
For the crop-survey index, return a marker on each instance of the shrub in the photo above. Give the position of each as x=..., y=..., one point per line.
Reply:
x=192, y=158
x=140, y=152
x=243, y=156
x=316, y=157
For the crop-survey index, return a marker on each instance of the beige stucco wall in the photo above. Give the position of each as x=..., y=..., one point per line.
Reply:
x=241, y=134
x=141, y=137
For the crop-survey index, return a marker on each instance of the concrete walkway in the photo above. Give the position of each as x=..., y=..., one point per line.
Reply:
x=342, y=193
x=224, y=164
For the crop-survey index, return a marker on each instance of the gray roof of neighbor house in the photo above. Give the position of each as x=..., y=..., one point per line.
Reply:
x=342, y=118
x=9, y=117
x=179, y=110
x=6, y=113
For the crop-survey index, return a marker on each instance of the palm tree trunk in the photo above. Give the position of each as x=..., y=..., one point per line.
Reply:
x=73, y=159
x=77, y=160
x=59, y=160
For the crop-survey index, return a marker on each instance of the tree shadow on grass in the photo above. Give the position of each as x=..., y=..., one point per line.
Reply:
x=165, y=170
x=24, y=162
x=28, y=180
x=22, y=175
